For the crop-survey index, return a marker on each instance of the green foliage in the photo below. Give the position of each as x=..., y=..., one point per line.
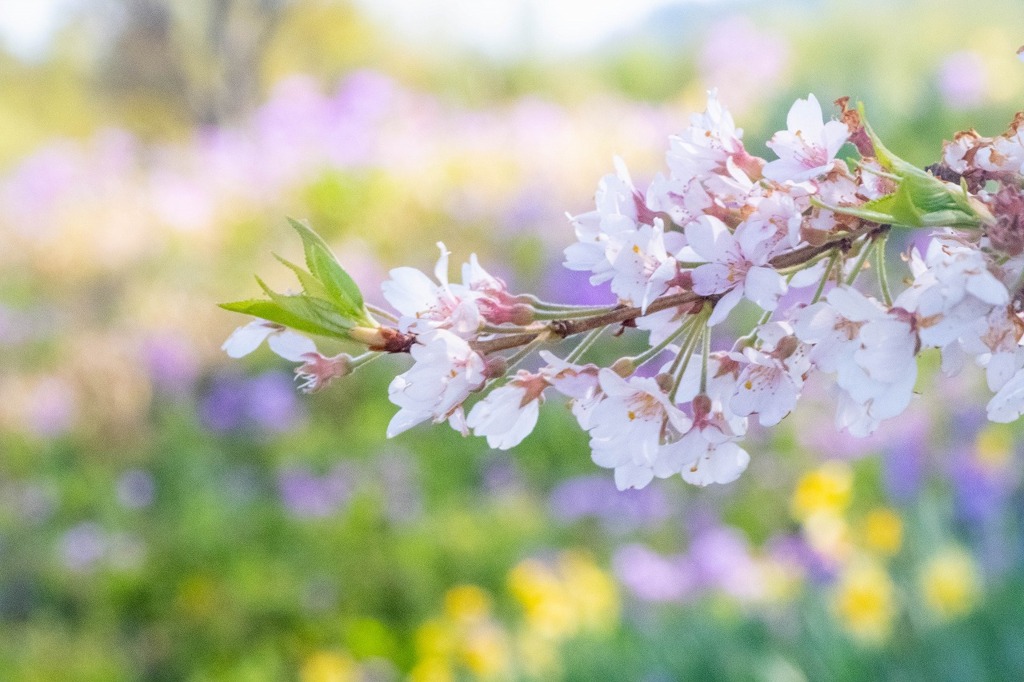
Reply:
x=330, y=303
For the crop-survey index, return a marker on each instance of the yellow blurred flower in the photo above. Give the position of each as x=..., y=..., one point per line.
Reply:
x=485, y=651
x=864, y=601
x=592, y=591
x=435, y=638
x=950, y=583
x=328, y=666
x=198, y=596
x=432, y=669
x=548, y=607
x=467, y=603
x=882, y=531
x=993, y=447
x=538, y=655
x=827, y=489
x=829, y=535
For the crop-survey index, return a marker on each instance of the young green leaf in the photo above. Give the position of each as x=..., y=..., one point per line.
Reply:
x=273, y=312
x=340, y=287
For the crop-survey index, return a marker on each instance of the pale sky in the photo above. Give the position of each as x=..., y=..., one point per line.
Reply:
x=503, y=27
x=498, y=27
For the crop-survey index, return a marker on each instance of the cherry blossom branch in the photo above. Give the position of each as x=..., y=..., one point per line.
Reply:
x=623, y=314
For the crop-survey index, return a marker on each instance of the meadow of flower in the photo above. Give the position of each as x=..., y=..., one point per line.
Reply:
x=167, y=512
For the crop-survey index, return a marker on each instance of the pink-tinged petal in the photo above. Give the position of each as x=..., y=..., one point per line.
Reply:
x=710, y=238
x=713, y=278
x=632, y=476
x=853, y=305
x=614, y=385
x=804, y=118
x=404, y=420
x=1000, y=369
x=721, y=464
x=441, y=269
x=989, y=289
x=853, y=416
x=751, y=237
x=724, y=307
x=765, y=392
x=409, y=291
x=895, y=399
x=835, y=136
x=502, y=417
x=1008, y=403
x=675, y=457
x=291, y=346
x=245, y=340
x=457, y=420
x=764, y=286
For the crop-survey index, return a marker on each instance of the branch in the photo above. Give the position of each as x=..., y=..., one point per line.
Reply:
x=623, y=314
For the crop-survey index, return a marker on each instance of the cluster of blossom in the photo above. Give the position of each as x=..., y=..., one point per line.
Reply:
x=719, y=226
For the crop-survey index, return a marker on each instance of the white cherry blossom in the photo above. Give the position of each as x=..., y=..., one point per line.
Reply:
x=425, y=304
x=445, y=372
x=509, y=413
x=736, y=265
x=770, y=382
x=808, y=146
x=628, y=426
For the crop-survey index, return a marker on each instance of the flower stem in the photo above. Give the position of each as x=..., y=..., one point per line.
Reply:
x=824, y=279
x=380, y=312
x=704, y=362
x=883, y=278
x=866, y=249
x=584, y=345
x=654, y=351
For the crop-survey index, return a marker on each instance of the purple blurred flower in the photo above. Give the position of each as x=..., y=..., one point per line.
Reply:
x=402, y=497
x=171, y=362
x=501, y=475
x=721, y=558
x=596, y=496
x=308, y=495
x=224, y=405
x=980, y=493
x=574, y=288
x=793, y=550
x=653, y=577
x=51, y=408
x=136, y=489
x=268, y=401
x=83, y=546
x=35, y=501
x=273, y=402
x=904, y=459
x=963, y=80
x=743, y=61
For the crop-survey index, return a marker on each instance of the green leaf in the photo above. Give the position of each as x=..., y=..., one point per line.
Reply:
x=339, y=286
x=921, y=200
x=272, y=312
x=310, y=285
x=314, y=312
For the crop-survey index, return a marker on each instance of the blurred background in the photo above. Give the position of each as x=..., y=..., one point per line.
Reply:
x=168, y=514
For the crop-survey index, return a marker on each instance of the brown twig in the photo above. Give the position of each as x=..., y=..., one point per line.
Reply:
x=623, y=314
